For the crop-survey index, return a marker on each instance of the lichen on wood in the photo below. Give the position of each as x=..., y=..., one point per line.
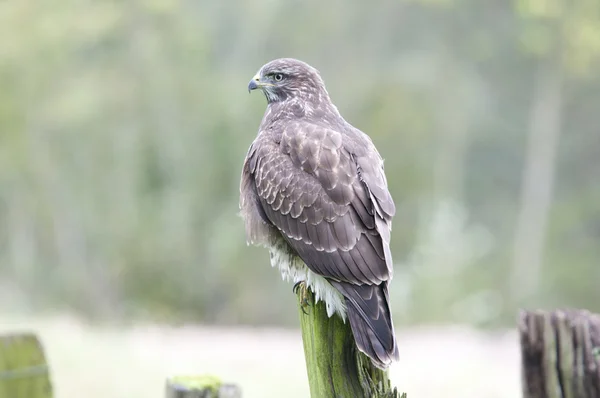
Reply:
x=205, y=386
x=23, y=368
x=335, y=367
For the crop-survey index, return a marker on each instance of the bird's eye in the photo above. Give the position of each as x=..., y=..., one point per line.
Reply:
x=278, y=77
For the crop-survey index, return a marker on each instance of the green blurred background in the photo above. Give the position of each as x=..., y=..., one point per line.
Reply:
x=123, y=127
x=124, y=124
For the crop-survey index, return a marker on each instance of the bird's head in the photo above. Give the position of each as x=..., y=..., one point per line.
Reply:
x=287, y=78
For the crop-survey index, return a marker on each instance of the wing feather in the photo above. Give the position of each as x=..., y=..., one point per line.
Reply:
x=329, y=201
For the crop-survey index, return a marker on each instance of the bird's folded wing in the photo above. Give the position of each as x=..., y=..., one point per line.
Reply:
x=330, y=202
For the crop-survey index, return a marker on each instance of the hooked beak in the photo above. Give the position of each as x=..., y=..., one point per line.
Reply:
x=254, y=83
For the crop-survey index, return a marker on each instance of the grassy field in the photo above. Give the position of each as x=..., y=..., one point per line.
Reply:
x=130, y=362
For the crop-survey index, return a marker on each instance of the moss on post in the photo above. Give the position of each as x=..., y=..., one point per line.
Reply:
x=335, y=366
x=23, y=368
x=200, y=387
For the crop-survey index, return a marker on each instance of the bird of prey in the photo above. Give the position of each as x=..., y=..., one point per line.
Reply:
x=314, y=192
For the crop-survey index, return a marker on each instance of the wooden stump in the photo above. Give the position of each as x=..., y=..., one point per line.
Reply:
x=200, y=387
x=23, y=369
x=336, y=369
x=560, y=354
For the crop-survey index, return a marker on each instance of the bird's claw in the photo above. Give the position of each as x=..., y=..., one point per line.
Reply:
x=300, y=287
x=304, y=304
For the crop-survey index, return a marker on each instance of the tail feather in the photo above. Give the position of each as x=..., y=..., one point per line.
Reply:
x=370, y=318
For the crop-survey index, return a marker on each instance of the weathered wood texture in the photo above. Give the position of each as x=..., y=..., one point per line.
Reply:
x=23, y=369
x=200, y=387
x=336, y=369
x=560, y=353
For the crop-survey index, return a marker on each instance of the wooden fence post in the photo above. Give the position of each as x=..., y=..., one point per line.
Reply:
x=560, y=353
x=23, y=369
x=335, y=366
x=200, y=387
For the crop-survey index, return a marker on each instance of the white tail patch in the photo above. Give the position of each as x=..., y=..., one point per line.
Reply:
x=294, y=270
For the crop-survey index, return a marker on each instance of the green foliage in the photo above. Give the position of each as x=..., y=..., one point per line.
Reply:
x=123, y=127
x=568, y=28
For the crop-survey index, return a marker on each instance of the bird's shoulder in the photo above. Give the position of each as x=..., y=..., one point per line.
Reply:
x=337, y=156
x=309, y=138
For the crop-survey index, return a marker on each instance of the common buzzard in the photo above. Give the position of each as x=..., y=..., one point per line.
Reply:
x=313, y=191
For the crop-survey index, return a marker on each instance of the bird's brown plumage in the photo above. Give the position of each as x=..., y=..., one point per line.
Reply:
x=315, y=185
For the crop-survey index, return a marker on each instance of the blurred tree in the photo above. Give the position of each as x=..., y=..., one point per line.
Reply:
x=565, y=38
x=123, y=127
